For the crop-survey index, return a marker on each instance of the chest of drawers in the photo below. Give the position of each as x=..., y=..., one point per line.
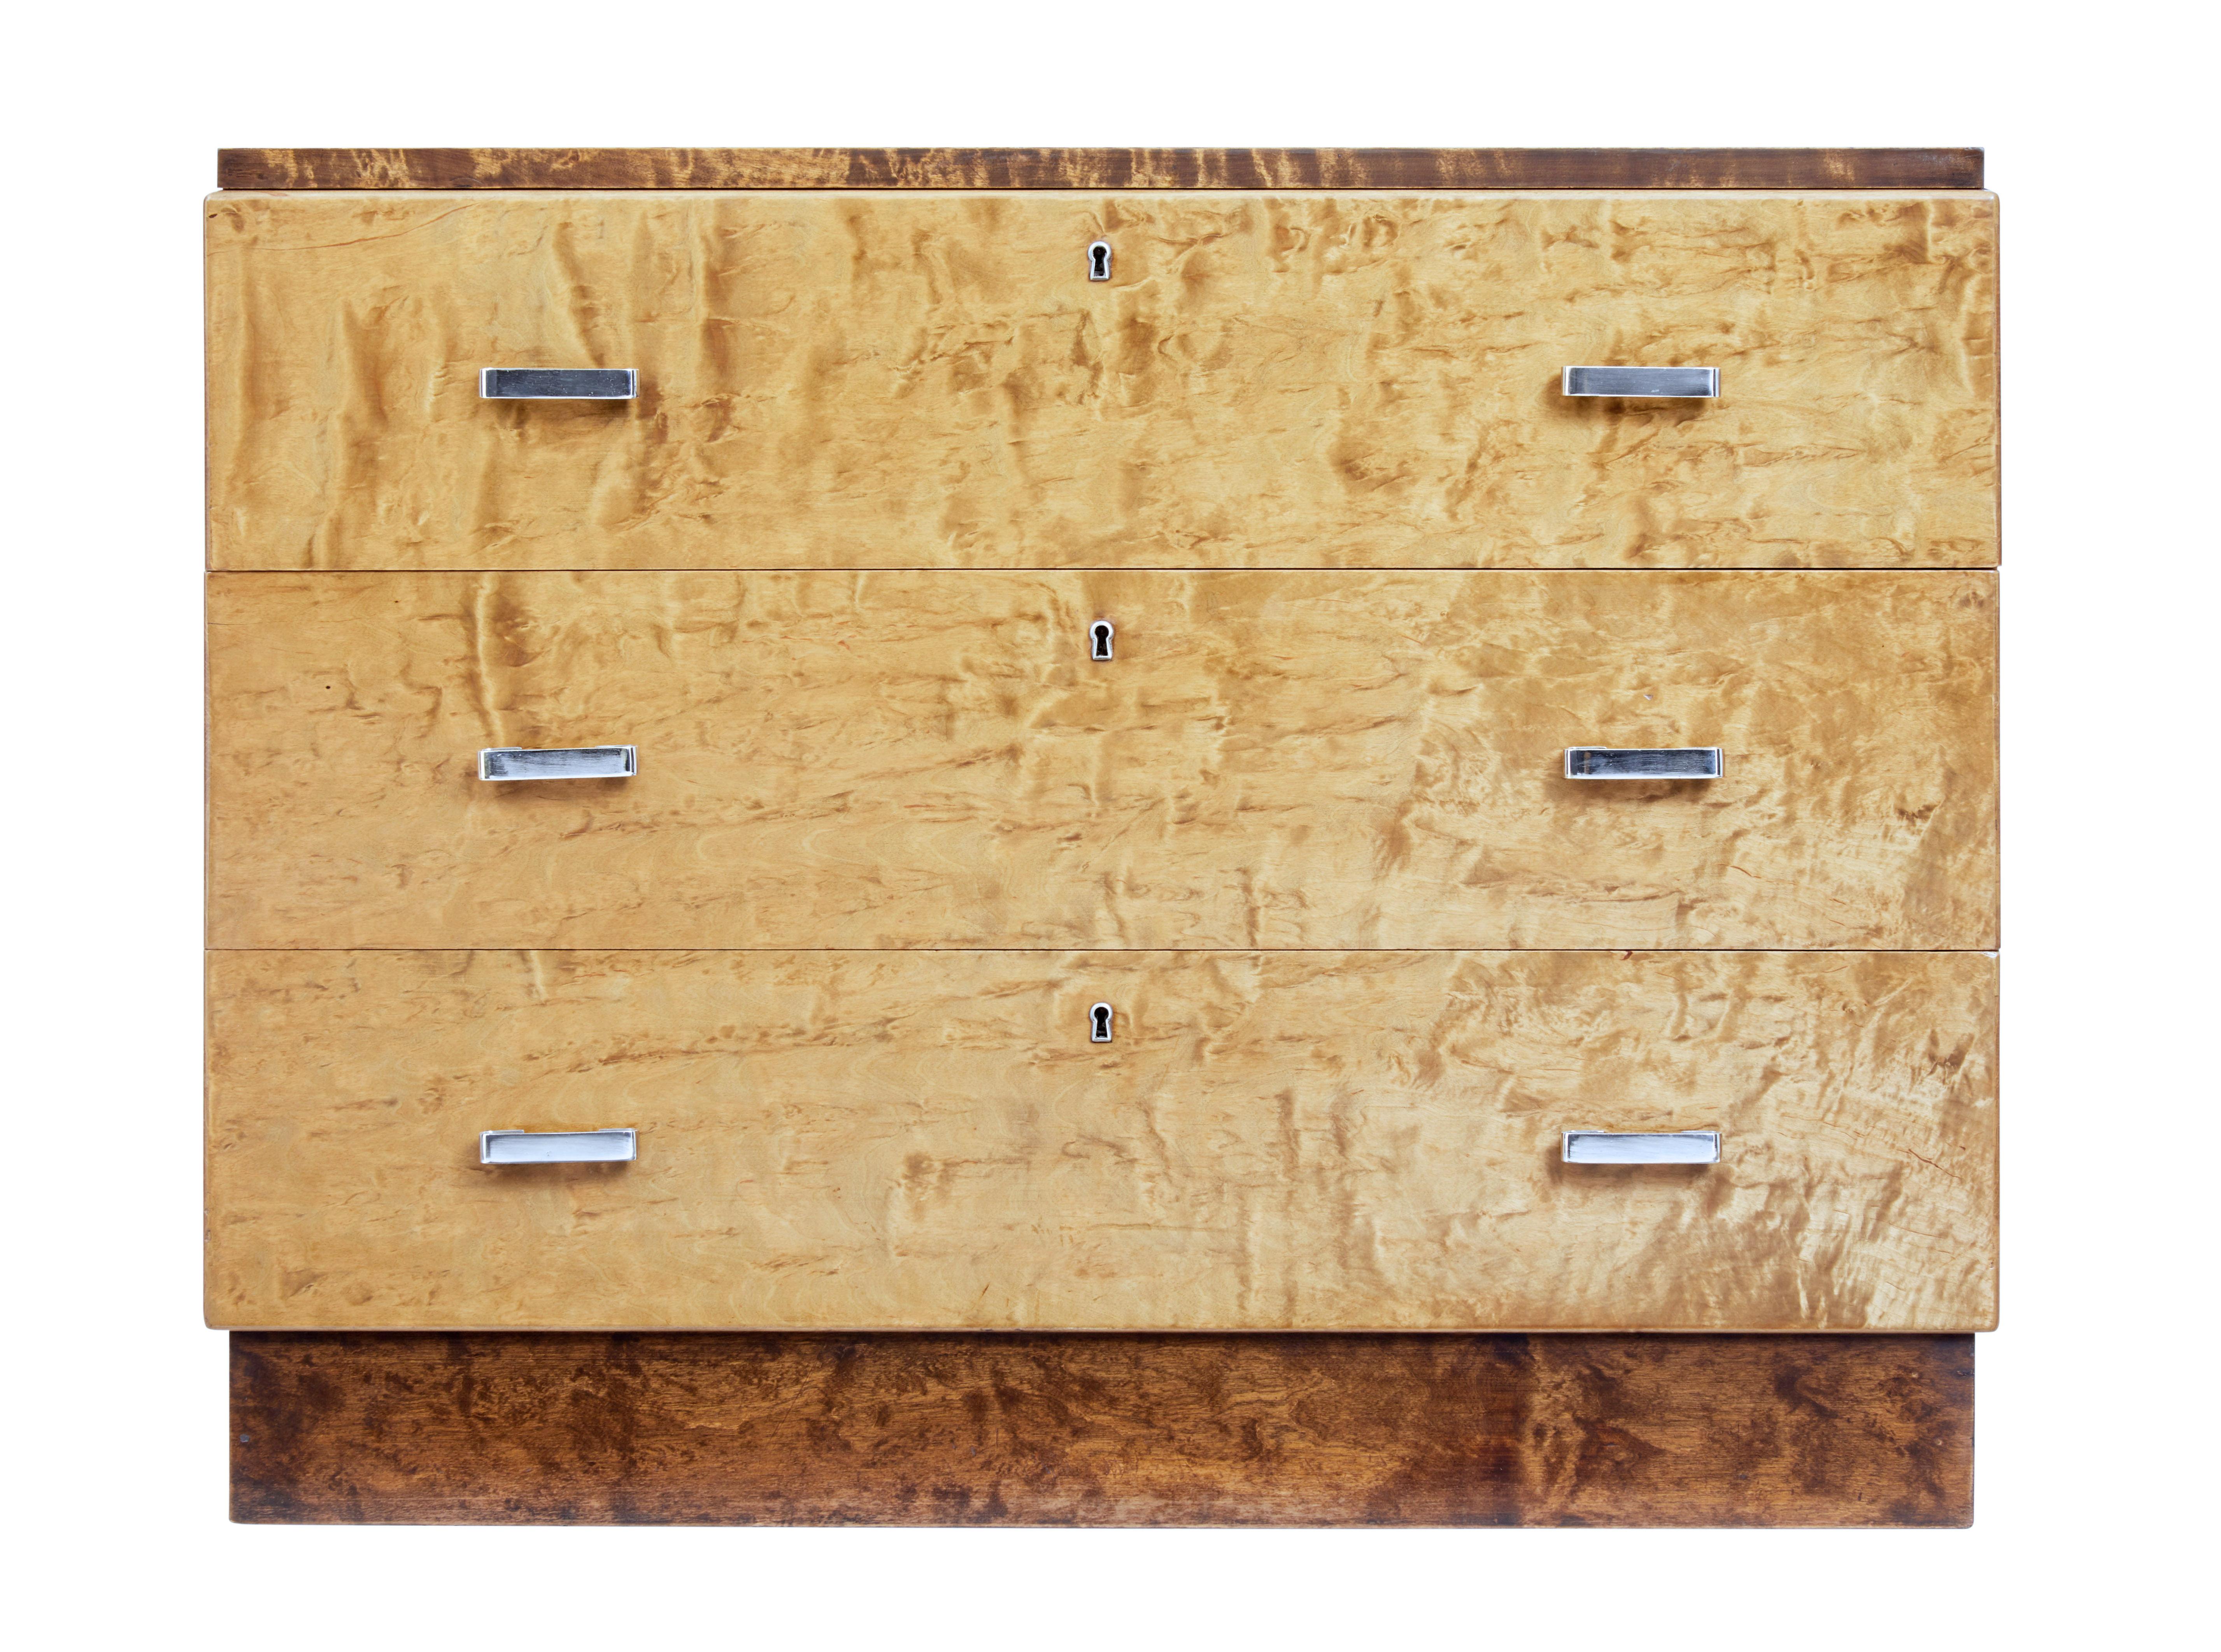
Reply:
x=791, y=759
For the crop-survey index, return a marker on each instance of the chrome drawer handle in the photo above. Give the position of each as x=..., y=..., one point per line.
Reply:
x=1641, y=381
x=558, y=1147
x=562, y=763
x=1643, y=1147
x=1645, y=763
x=558, y=383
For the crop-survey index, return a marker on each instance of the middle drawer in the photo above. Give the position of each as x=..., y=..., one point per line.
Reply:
x=910, y=759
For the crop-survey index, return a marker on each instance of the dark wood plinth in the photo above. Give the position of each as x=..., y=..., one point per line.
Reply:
x=1102, y=1431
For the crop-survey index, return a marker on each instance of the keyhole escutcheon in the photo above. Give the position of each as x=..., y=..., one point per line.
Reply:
x=1098, y=1024
x=1099, y=640
x=1098, y=260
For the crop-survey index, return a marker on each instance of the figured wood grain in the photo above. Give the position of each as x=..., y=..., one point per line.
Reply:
x=910, y=379
x=1122, y=169
x=1272, y=1140
x=936, y=1431
x=1272, y=760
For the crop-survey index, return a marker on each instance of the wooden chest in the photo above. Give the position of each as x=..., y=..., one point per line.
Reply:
x=1403, y=747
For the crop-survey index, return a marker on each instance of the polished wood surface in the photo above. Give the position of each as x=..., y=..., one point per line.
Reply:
x=1091, y=169
x=910, y=379
x=1104, y=1430
x=1323, y=375
x=1272, y=1140
x=931, y=759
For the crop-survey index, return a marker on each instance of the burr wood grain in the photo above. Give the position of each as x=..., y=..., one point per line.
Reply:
x=1274, y=1140
x=911, y=379
x=1100, y=169
x=970, y=1430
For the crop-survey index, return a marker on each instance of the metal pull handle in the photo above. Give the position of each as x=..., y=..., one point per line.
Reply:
x=558, y=1147
x=1643, y=1147
x=1645, y=763
x=1641, y=381
x=558, y=383
x=563, y=763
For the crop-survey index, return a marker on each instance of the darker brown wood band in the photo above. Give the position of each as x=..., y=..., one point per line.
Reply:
x=1102, y=1431
x=1100, y=169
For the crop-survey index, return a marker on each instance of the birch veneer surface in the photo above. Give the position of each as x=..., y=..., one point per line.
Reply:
x=902, y=379
x=1316, y=1140
x=1272, y=760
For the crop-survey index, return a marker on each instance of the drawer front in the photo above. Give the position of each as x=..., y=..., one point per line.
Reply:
x=1270, y=1141
x=932, y=760
x=931, y=379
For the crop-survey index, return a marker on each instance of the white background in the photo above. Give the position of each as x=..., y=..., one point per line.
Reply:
x=2096, y=1419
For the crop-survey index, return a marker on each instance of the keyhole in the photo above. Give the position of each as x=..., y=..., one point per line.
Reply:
x=1098, y=260
x=1099, y=640
x=1098, y=1024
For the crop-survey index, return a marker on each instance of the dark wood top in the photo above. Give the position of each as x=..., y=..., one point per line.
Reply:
x=1100, y=169
x=959, y=1430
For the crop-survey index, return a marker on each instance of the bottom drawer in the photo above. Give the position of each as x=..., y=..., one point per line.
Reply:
x=1269, y=1141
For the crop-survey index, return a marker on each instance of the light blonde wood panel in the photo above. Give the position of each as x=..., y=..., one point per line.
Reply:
x=1316, y=1140
x=930, y=759
x=892, y=379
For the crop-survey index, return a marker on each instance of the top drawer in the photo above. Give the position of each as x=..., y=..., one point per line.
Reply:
x=844, y=379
